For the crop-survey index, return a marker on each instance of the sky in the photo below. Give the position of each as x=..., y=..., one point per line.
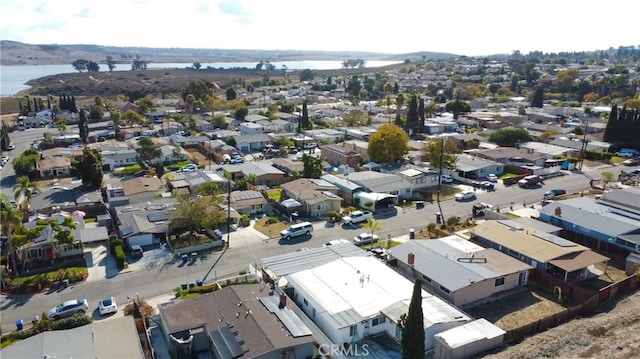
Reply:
x=461, y=27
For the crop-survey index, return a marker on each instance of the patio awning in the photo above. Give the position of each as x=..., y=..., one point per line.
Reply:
x=290, y=203
x=576, y=261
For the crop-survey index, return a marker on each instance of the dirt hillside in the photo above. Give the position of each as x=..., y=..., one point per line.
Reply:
x=612, y=333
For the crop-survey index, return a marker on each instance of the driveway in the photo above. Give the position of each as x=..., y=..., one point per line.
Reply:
x=99, y=263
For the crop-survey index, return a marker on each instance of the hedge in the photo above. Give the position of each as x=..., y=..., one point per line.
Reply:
x=119, y=256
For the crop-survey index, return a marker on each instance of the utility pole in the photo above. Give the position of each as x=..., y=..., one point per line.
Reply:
x=229, y=211
x=583, y=148
x=440, y=179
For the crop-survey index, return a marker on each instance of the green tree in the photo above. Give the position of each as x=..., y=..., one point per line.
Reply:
x=147, y=151
x=509, y=136
x=412, y=325
x=5, y=141
x=354, y=118
x=306, y=75
x=24, y=164
x=231, y=94
x=456, y=107
x=194, y=213
x=303, y=121
x=111, y=64
x=537, y=98
x=412, y=115
x=11, y=219
x=62, y=126
x=130, y=118
x=207, y=189
x=566, y=79
x=312, y=166
x=23, y=190
x=388, y=144
x=241, y=113
x=372, y=224
x=399, y=103
x=158, y=168
x=80, y=65
x=90, y=168
x=435, y=154
x=83, y=126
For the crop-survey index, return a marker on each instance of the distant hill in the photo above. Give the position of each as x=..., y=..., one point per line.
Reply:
x=17, y=53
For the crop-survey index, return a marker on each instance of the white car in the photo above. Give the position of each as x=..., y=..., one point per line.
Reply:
x=465, y=195
x=365, y=238
x=335, y=241
x=492, y=177
x=446, y=179
x=107, y=306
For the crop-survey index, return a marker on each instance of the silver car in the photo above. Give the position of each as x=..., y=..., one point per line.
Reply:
x=69, y=308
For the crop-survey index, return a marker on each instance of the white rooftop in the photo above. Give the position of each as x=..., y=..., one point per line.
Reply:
x=365, y=286
x=469, y=333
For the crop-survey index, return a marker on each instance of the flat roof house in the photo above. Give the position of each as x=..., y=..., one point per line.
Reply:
x=458, y=270
x=239, y=321
x=352, y=298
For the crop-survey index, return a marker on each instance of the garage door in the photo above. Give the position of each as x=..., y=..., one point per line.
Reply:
x=141, y=240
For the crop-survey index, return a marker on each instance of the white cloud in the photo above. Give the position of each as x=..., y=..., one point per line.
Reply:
x=467, y=27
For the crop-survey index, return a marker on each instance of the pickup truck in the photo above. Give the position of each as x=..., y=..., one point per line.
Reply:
x=356, y=217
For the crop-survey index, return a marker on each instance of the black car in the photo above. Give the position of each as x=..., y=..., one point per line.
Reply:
x=554, y=192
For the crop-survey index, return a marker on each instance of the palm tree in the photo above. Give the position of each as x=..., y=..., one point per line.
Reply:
x=24, y=188
x=10, y=219
x=372, y=224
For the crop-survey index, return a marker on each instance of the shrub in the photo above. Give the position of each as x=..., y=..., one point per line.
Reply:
x=273, y=219
x=368, y=203
x=114, y=243
x=332, y=213
x=452, y=221
x=74, y=321
x=119, y=256
x=242, y=272
x=245, y=221
x=431, y=227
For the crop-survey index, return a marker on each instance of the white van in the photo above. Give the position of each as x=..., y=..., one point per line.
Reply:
x=304, y=228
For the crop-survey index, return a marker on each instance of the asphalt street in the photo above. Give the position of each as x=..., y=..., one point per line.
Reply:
x=246, y=250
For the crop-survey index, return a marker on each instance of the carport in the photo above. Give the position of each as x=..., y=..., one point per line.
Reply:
x=379, y=200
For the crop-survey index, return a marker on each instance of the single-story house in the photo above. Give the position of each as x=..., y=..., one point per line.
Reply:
x=248, y=143
x=458, y=270
x=144, y=224
x=235, y=321
x=250, y=202
x=317, y=196
x=118, y=157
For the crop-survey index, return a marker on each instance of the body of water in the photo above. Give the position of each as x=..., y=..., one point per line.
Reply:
x=13, y=78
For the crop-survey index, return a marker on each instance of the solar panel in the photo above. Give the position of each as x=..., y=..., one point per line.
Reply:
x=225, y=343
x=555, y=239
x=245, y=196
x=157, y=217
x=126, y=231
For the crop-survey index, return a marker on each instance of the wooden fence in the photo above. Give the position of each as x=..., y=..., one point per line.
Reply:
x=589, y=301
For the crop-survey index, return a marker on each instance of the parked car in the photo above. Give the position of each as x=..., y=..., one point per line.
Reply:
x=69, y=308
x=136, y=251
x=218, y=234
x=142, y=173
x=11, y=147
x=631, y=162
x=465, y=195
x=107, y=306
x=529, y=181
x=189, y=168
x=365, y=238
x=446, y=179
x=479, y=209
x=554, y=192
x=304, y=228
x=236, y=160
x=492, y=177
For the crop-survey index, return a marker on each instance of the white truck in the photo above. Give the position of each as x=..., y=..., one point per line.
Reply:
x=356, y=217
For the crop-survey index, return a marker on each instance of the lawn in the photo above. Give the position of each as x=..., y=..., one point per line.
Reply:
x=274, y=194
x=271, y=230
x=183, y=240
x=74, y=272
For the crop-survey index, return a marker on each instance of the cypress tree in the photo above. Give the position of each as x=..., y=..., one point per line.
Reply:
x=83, y=127
x=421, y=115
x=412, y=114
x=610, y=130
x=413, y=326
x=537, y=98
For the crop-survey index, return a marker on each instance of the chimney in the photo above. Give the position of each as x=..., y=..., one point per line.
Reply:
x=558, y=212
x=283, y=301
x=410, y=259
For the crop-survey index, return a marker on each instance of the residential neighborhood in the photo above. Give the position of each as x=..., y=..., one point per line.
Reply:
x=176, y=189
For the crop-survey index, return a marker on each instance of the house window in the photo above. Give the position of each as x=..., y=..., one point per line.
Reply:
x=499, y=281
x=35, y=253
x=305, y=301
x=444, y=289
x=482, y=170
x=378, y=321
x=353, y=330
x=426, y=278
x=257, y=206
x=320, y=207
